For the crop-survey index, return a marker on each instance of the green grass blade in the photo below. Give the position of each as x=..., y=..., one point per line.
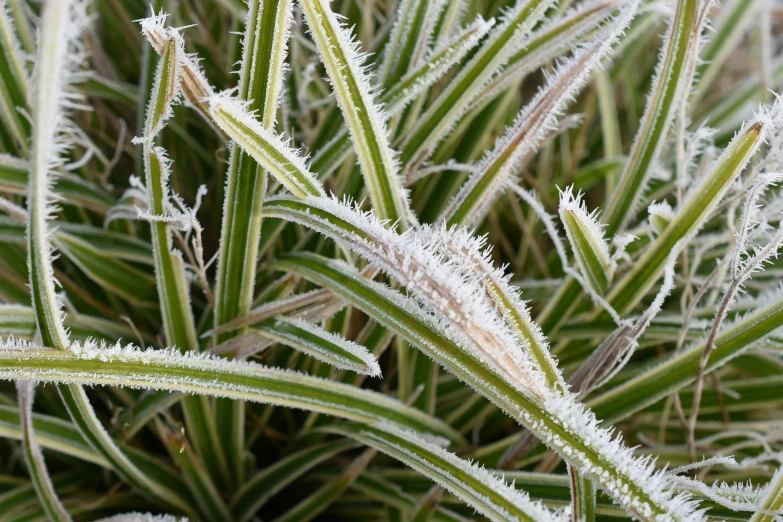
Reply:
x=320, y=344
x=170, y=370
x=365, y=121
x=267, y=149
x=590, y=248
x=263, y=56
x=477, y=487
x=34, y=457
x=699, y=203
x=669, y=89
x=397, y=96
x=582, y=497
x=178, y=323
x=559, y=421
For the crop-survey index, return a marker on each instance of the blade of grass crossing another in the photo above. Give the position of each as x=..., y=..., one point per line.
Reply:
x=559, y=420
x=264, y=48
x=59, y=52
x=173, y=294
x=99, y=364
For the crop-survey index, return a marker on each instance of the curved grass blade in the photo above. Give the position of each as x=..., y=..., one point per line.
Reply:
x=366, y=123
x=178, y=323
x=270, y=480
x=260, y=83
x=320, y=344
x=477, y=487
x=34, y=457
x=95, y=364
x=267, y=149
x=59, y=54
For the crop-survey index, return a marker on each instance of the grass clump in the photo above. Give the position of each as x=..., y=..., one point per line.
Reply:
x=409, y=260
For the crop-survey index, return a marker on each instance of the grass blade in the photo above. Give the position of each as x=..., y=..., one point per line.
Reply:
x=267, y=149
x=560, y=421
x=59, y=54
x=94, y=364
x=477, y=487
x=367, y=124
x=669, y=89
x=34, y=457
x=320, y=344
x=397, y=96
x=698, y=205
